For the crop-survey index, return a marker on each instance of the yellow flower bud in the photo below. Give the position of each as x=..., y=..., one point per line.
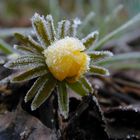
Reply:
x=66, y=60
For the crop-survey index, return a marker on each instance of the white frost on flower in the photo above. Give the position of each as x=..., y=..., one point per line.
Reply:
x=40, y=20
x=59, y=28
x=67, y=28
x=61, y=48
x=65, y=58
x=33, y=41
x=92, y=36
x=100, y=54
x=63, y=28
x=50, y=25
x=103, y=53
x=76, y=23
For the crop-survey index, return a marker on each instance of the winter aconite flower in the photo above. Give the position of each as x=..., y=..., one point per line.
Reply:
x=58, y=60
x=66, y=60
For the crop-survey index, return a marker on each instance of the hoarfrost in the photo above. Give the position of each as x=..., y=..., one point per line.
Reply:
x=90, y=39
x=41, y=37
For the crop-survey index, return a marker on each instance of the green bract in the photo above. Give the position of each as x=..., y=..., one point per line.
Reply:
x=32, y=62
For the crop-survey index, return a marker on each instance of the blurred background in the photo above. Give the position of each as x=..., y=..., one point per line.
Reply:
x=13, y=10
x=103, y=14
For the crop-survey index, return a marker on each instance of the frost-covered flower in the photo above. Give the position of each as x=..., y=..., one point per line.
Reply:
x=66, y=60
x=59, y=60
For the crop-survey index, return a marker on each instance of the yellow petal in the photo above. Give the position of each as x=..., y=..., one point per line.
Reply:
x=65, y=59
